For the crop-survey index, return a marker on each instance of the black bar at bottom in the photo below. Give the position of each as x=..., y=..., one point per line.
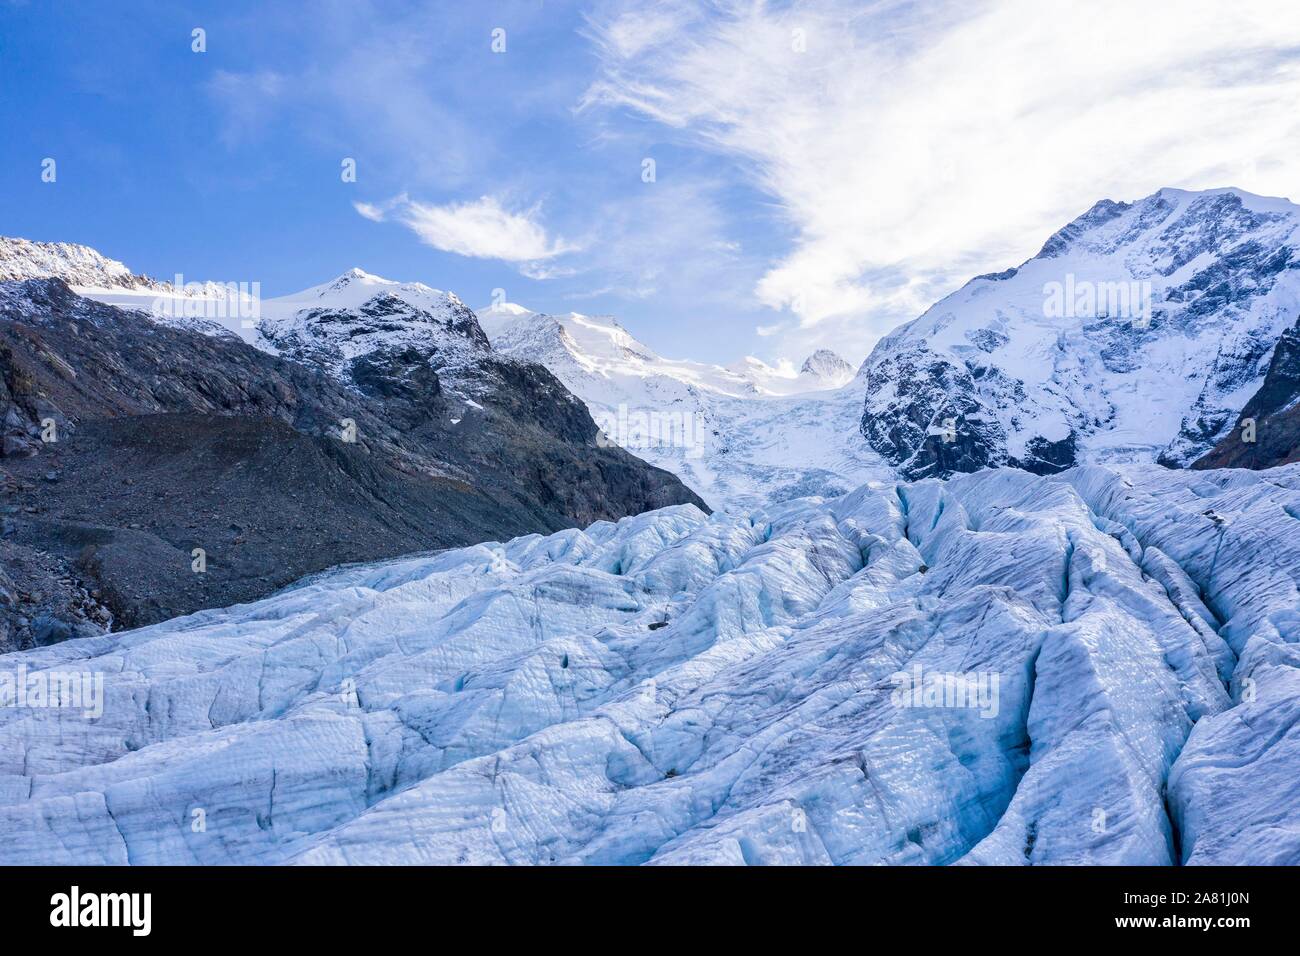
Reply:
x=662, y=907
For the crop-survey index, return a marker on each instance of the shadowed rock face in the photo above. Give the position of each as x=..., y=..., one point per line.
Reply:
x=1275, y=409
x=167, y=441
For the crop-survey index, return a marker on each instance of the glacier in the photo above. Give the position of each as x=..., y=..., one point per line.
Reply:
x=677, y=688
x=740, y=436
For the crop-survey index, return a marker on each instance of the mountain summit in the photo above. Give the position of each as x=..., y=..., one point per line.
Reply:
x=1137, y=333
x=77, y=265
x=826, y=366
x=361, y=327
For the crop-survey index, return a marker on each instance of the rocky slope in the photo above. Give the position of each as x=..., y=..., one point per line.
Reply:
x=741, y=435
x=167, y=440
x=1267, y=432
x=1094, y=667
x=1138, y=333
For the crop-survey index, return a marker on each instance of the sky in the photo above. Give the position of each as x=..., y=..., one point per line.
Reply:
x=728, y=178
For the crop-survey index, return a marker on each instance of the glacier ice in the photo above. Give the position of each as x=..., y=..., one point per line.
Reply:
x=678, y=688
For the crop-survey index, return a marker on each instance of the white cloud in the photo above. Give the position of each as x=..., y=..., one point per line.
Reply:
x=369, y=211
x=482, y=229
x=912, y=147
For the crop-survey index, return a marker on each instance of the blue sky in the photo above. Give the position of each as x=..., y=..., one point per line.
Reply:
x=823, y=170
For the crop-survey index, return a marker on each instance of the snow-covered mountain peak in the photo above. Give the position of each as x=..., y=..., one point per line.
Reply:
x=589, y=340
x=334, y=324
x=1137, y=333
x=354, y=289
x=1252, y=201
x=504, y=309
x=328, y=325
x=77, y=265
x=213, y=308
x=358, y=274
x=828, y=367
x=353, y=278
x=1171, y=226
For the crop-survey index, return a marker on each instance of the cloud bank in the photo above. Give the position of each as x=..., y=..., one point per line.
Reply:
x=910, y=146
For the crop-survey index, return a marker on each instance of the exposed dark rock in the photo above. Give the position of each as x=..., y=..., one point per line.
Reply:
x=1045, y=457
x=166, y=440
x=1275, y=412
x=933, y=427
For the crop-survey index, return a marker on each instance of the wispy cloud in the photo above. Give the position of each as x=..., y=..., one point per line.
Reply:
x=666, y=241
x=542, y=271
x=481, y=229
x=249, y=99
x=913, y=146
x=371, y=211
x=356, y=77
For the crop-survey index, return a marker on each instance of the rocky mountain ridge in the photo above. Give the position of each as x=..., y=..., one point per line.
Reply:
x=1137, y=333
x=128, y=443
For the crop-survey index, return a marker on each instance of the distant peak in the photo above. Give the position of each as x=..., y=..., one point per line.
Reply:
x=355, y=275
x=828, y=366
x=505, y=309
x=822, y=357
